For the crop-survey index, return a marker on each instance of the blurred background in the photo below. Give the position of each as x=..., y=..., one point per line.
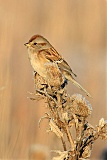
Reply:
x=77, y=30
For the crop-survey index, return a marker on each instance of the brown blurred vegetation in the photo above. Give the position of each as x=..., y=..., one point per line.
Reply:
x=77, y=29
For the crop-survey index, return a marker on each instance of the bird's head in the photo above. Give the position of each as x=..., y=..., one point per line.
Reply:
x=38, y=43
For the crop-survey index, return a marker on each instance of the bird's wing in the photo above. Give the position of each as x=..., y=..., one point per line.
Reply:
x=53, y=56
x=64, y=66
x=50, y=55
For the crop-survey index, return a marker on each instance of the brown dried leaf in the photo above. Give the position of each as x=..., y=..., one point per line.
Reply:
x=87, y=152
x=103, y=131
x=101, y=122
x=54, y=128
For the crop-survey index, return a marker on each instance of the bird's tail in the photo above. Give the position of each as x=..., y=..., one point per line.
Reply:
x=79, y=86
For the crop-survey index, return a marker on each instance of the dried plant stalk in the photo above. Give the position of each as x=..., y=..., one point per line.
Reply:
x=65, y=113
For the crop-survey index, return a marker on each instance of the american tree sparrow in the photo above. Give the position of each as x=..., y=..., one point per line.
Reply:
x=42, y=56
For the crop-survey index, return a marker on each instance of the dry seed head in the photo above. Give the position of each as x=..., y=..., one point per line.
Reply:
x=54, y=128
x=80, y=106
x=54, y=75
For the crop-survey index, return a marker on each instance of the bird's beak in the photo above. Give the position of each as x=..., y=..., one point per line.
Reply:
x=27, y=44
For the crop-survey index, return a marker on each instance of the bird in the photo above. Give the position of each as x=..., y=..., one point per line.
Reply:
x=41, y=54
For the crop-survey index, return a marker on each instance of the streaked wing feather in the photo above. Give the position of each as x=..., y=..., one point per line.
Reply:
x=64, y=66
x=53, y=56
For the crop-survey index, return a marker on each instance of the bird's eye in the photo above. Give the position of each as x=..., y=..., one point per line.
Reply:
x=35, y=43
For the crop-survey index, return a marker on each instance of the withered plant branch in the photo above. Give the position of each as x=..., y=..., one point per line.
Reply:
x=47, y=95
x=69, y=136
x=86, y=143
x=64, y=144
x=66, y=113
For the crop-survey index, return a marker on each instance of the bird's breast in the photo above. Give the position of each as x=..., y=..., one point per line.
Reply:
x=37, y=65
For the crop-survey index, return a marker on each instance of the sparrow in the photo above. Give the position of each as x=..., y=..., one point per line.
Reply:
x=42, y=54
